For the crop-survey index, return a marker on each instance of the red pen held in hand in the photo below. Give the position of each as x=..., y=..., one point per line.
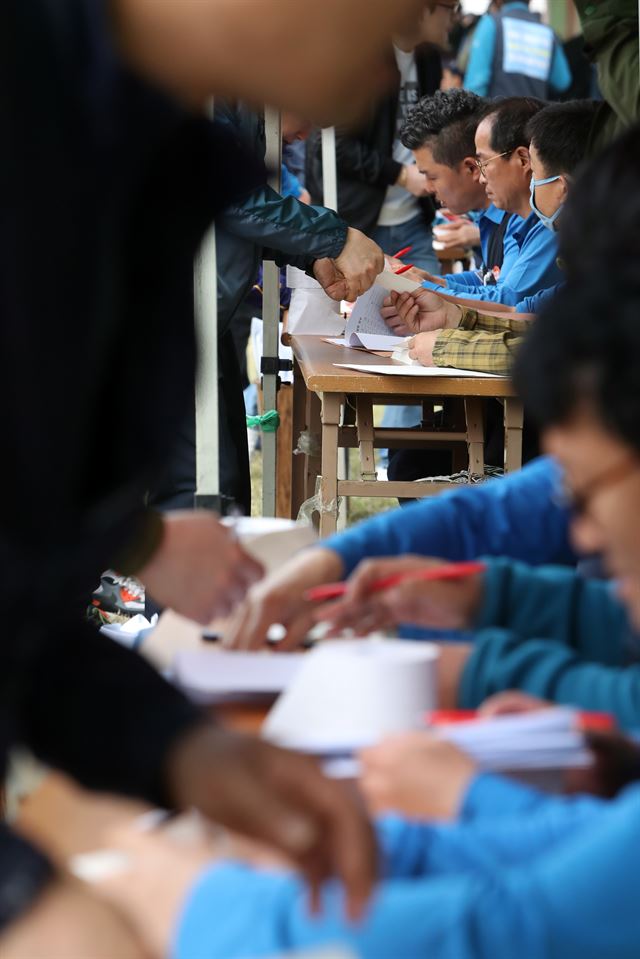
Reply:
x=403, y=269
x=450, y=571
x=402, y=252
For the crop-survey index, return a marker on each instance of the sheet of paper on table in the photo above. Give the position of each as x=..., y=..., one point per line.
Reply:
x=404, y=370
x=214, y=675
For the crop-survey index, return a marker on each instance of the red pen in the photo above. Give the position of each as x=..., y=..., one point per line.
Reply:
x=402, y=252
x=451, y=571
x=403, y=269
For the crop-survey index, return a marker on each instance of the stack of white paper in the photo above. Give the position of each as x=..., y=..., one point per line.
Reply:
x=215, y=675
x=548, y=739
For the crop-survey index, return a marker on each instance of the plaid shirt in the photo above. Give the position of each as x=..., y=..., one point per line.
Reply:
x=484, y=343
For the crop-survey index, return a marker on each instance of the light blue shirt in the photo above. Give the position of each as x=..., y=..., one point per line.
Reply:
x=521, y=874
x=480, y=66
x=529, y=266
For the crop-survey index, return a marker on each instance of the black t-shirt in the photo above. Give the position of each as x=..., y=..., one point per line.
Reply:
x=106, y=188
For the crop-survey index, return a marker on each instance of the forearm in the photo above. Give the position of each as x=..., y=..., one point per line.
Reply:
x=476, y=350
x=558, y=604
x=285, y=225
x=357, y=161
x=516, y=516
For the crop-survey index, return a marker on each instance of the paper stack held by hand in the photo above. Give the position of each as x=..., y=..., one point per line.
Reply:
x=548, y=739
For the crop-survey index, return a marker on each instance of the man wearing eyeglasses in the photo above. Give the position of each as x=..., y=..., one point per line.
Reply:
x=530, y=250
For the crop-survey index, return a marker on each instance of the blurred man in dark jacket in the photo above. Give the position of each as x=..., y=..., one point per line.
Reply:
x=109, y=178
x=380, y=189
x=262, y=224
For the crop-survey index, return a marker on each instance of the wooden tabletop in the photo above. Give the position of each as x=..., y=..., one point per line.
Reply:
x=316, y=359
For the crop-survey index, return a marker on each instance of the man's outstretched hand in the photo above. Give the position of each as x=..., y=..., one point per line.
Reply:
x=353, y=271
x=281, y=798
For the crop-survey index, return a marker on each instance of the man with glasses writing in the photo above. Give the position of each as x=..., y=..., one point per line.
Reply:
x=530, y=250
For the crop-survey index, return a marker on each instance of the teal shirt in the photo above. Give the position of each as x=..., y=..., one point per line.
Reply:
x=557, y=635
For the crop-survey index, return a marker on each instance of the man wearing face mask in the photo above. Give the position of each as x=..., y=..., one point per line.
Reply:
x=448, y=333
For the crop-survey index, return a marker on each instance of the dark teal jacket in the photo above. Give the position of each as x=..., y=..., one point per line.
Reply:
x=557, y=635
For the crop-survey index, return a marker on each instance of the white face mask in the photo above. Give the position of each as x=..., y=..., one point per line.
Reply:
x=549, y=221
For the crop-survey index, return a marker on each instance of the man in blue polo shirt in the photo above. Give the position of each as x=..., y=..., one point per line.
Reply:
x=513, y=54
x=530, y=250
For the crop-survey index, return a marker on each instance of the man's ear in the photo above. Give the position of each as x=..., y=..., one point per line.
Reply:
x=522, y=156
x=470, y=167
x=565, y=186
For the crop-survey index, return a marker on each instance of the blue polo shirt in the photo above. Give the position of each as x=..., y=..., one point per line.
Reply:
x=529, y=266
x=488, y=222
x=479, y=70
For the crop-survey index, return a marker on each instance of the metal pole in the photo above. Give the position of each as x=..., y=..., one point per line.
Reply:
x=271, y=321
x=330, y=199
x=206, y=398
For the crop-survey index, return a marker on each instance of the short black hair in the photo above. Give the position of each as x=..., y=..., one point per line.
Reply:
x=585, y=349
x=585, y=346
x=560, y=133
x=511, y=117
x=600, y=227
x=445, y=122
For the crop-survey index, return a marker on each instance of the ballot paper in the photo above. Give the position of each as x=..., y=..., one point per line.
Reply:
x=545, y=739
x=374, y=342
x=405, y=370
x=215, y=675
x=365, y=315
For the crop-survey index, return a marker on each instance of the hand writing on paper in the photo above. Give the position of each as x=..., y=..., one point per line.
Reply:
x=443, y=604
x=421, y=347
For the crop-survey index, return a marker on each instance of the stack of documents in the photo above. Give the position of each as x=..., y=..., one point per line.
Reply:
x=215, y=675
x=545, y=740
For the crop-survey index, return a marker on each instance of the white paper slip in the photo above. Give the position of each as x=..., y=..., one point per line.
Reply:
x=209, y=675
x=405, y=370
x=391, y=282
x=365, y=315
x=375, y=342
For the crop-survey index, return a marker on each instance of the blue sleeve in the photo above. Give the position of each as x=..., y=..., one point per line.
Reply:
x=501, y=836
x=551, y=670
x=560, y=76
x=514, y=516
x=290, y=185
x=534, y=268
x=467, y=280
x=558, y=604
x=477, y=79
x=533, y=304
x=576, y=900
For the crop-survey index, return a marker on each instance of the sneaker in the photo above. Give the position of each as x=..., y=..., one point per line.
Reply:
x=119, y=594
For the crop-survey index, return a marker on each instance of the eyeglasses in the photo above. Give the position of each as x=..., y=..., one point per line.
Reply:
x=578, y=501
x=482, y=164
x=454, y=8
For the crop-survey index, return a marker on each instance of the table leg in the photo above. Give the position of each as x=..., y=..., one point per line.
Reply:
x=513, y=422
x=299, y=460
x=364, y=427
x=475, y=434
x=314, y=430
x=331, y=405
